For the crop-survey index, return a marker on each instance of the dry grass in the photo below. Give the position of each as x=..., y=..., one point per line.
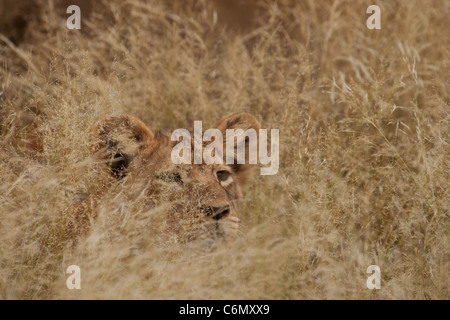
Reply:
x=364, y=168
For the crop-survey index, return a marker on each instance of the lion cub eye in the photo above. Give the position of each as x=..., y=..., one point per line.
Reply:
x=171, y=177
x=223, y=175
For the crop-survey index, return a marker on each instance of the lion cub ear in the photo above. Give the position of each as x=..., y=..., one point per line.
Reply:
x=249, y=136
x=118, y=140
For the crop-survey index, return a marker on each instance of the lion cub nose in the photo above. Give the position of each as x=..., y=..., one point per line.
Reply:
x=217, y=213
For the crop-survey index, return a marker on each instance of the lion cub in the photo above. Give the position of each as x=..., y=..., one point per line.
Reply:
x=203, y=198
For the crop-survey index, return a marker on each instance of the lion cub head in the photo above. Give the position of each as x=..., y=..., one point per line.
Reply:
x=203, y=199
